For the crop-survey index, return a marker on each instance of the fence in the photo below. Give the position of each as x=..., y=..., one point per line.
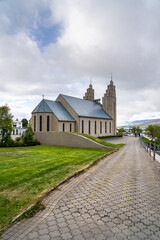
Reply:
x=152, y=149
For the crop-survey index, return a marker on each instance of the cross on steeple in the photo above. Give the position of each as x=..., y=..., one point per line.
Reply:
x=111, y=82
x=90, y=80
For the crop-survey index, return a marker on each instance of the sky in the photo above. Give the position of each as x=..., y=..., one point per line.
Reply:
x=48, y=47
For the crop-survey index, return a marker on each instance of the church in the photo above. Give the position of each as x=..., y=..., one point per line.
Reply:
x=71, y=114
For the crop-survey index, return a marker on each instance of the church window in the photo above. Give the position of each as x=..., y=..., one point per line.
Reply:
x=34, y=123
x=63, y=127
x=47, y=123
x=95, y=130
x=110, y=127
x=105, y=126
x=89, y=127
x=40, y=123
x=100, y=126
x=82, y=126
x=70, y=127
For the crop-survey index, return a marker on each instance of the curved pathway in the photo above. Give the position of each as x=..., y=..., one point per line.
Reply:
x=117, y=199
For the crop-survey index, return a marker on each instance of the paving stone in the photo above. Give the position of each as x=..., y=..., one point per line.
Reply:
x=140, y=225
x=141, y=235
x=153, y=228
x=116, y=230
x=132, y=237
x=147, y=232
x=154, y=237
x=134, y=229
x=111, y=224
x=117, y=220
x=66, y=236
x=120, y=236
x=76, y=232
x=33, y=235
x=127, y=232
x=73, y=226
x=64, y=230
x=43, y=231
x=54, y=234
x=44, y=237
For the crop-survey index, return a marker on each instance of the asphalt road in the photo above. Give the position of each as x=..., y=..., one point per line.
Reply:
x=117, y=199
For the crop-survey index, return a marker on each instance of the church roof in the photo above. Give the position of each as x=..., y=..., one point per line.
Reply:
x=49, y=106
x=86, y=108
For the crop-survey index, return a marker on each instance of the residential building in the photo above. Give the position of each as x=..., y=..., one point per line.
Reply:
x=18, y=129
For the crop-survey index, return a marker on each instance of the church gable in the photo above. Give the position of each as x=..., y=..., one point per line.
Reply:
x=42, y=107
x=49, y=106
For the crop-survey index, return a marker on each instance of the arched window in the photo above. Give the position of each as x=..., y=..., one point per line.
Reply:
x=95, y=129
x=40, y=123
x=63, y=127
x=89, y=127
x=82, y=126
x=100, y=126
x=110, y=127
x=70, y=127
x=47, y=123
x=34, y=123
x=105, y=126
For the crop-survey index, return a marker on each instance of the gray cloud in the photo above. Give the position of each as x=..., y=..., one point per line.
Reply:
x=97, y=37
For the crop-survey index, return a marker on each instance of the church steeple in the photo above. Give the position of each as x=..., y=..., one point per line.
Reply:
x=89, y=95
x=109, y=103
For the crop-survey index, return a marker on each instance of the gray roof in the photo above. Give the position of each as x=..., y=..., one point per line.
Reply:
x=49, y=106
x=86, y=108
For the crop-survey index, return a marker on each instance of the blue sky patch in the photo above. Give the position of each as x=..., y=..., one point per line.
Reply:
x=46, y=35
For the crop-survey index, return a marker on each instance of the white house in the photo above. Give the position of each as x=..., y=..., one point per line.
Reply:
x=18, y=129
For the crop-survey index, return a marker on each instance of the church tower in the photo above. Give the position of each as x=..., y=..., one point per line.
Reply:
x=109, y=103
x=89, y=95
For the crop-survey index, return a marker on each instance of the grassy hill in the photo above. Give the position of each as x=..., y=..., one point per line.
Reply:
x=98, y=140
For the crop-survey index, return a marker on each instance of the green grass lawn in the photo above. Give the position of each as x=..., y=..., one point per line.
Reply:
x=98, y=140
x=26, y=173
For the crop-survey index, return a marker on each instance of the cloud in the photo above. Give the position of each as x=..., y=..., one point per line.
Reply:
x=50, y=47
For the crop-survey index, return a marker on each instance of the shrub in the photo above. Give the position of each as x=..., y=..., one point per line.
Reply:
x=28, y=138
x=120, y=134
x=25, y=140
x=17, y=139
x=7, y=143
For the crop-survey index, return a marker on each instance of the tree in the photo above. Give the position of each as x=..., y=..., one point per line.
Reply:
x=154, y=132
x=24, y=122
x=158, y=135
x=28, y=138
x=139, y=130
x=150, y=130
x=133, y=130
x=136, y=130
x=6, y=125
x=121, y=130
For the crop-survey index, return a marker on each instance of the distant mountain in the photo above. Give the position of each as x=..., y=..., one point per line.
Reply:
x=145, y=122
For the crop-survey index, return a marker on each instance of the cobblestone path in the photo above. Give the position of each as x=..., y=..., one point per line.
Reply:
x=117, y=199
